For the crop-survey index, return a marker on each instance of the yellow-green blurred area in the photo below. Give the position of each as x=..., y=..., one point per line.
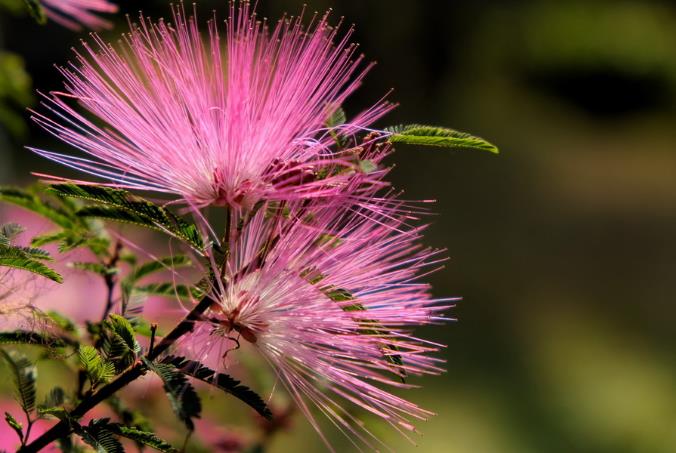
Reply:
x=563, y=246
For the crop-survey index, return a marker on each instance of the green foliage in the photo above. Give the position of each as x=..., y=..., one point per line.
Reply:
x=99, y=436
x=182, y=396
x=129, y=417
x=367, y=166
x=62, y=322
x=75, y=231
x=15, y=425
x=99, y=371
x=24, y=258
x=419, y=134
x=328, y=240
x=15, y=7
x=25, y=374
x=221, y=381
x=16, y=258
x=337, y=118
x=338, y=295
x=163, y=264
x=32, y=202
x=53, y=411
x=143, y=438
x=36, y=11
x=15, y=91
x=168, y=289
x=120, y=345
x=32, y=338
x=122, y=206
x=128, y=284
x=95, y=268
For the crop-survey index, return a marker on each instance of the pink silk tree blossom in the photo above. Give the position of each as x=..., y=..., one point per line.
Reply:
x=222, y=120
x=75, y=13
x=327, y=292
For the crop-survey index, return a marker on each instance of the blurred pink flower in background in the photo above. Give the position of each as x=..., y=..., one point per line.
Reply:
x=215, y=121
x=75, y=13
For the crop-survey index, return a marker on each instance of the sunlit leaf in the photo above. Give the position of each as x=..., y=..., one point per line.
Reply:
x=419, y=134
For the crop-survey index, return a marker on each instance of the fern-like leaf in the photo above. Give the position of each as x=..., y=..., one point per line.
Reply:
x=182, y=396
x=25, y=375
x=142, y=438
x=33, y=202
x=98, y=370
x=98, y=435
x=25, y=259
x=32, y=338
x=120, y=345
x=122, y=206
x=222, y=381
x=149, y=268
x=419, y=134
x=167, y=289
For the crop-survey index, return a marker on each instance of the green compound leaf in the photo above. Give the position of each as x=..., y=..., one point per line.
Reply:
x=94, y=268
x=152, y=267
x=120, y=345
x=62, y=322
x=99, y=436
x=163, y=264
x=221, y=381
x=337, y=118
x=143, y=438
x=20, y=258
x=122, y=206
x=36, y=11
x=98, y=370
x=34, y=203
x=15, y=425
x=182, y=396
x=32, y=338
x=25, y=375
x=168, y=289
x=420, y=134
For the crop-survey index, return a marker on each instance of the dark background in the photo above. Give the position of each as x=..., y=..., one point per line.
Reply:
x=562, y=246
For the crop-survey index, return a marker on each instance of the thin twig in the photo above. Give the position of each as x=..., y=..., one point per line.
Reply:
x=63, y=428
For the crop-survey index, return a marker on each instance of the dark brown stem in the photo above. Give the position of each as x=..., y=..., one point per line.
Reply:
x=63, y=428
x=111, y=279
x=153, y=333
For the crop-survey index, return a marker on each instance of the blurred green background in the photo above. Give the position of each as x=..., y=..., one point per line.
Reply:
x=562, y=247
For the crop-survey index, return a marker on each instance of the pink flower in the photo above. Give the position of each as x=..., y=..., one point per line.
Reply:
x=224, y=120
x=327, y=293
x=72, y=13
